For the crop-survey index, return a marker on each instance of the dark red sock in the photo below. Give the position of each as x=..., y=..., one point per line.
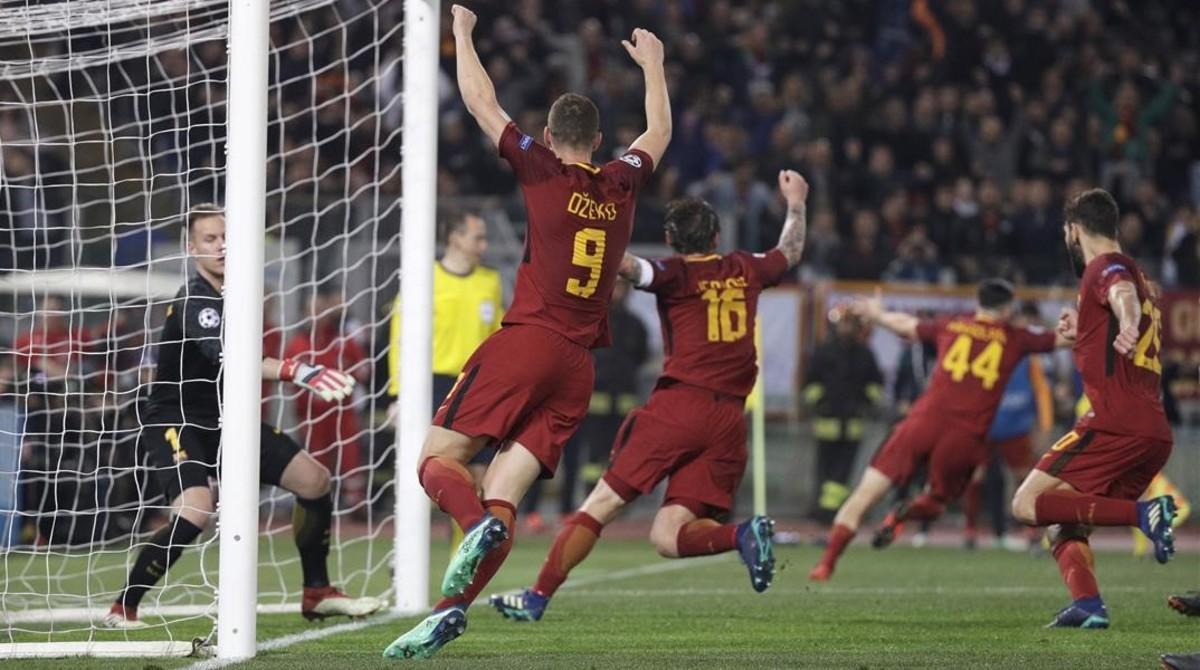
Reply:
x=1078, y=567
x=970, y=506
x=839, y=537
x=449, y=485
x=1067, y=507
x=924, y=508
x=573, y=543
x=506, y=512
x=705, y=536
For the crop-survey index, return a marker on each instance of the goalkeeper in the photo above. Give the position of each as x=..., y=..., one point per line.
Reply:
x=181, y=433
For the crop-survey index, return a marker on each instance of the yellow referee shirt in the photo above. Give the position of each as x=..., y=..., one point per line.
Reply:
x=466, y=309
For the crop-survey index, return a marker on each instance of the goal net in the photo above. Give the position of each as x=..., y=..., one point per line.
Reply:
x=112, y=125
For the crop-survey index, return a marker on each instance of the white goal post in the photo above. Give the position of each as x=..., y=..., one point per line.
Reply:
x=306, y=120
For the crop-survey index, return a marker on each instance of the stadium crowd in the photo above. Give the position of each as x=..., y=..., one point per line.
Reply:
x=925, y=166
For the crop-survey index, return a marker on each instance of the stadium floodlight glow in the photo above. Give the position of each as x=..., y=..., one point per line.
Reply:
x=114, y=120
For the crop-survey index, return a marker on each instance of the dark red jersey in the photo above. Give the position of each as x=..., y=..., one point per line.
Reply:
x=707, y=306
x=1126, y=394
x=580, y=219
x=975, y=358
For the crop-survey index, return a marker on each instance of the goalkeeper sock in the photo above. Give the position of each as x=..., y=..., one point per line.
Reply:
x=311, y=520
x=157, y=557
x=924, y=508
x=507, y=513
x=573, y=543
x=1078, y=568
x=450, y=486
x=1068, y=507
x=705, y=536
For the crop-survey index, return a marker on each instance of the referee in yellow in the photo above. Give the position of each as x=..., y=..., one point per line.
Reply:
x=468, y=304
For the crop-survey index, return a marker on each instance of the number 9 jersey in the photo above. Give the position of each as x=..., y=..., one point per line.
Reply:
x=580, y=221
x=1126, y=393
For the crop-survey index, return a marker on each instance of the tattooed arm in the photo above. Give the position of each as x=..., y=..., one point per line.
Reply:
x=795, y=227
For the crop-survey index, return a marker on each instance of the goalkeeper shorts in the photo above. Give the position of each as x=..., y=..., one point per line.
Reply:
x=183, y=457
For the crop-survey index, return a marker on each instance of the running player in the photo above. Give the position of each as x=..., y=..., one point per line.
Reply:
x=1094, y=474
x=947, y=427
x=181, y=435
x=692, y=431
x=528, y=385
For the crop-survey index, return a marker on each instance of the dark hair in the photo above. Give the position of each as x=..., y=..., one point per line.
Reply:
x=1030, y=309
x=693, y=225
x=202, y=211
x=1095, y=210
x=454, y=221
x=995, y=293
x=574, y=121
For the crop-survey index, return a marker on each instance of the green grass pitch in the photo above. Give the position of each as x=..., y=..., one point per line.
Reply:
x=902, y=608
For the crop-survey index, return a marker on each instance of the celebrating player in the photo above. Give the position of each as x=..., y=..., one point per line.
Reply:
x=528, y=385
x=947, y=427
x=692, y=431
x=181, y=434
x=1094, y=474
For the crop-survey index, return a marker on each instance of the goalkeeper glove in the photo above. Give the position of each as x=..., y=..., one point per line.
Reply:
x=328, y=383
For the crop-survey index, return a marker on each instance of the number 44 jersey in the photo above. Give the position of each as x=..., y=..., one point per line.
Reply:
x=975, y=358
x=580, y=218
x=1125, y=393
x=707, y=305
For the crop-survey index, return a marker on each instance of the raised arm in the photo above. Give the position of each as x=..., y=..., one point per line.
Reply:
x=900, y=323
x=474, y=84
x=636, y=270
x=647, y=51
x=1123, y=299
x=795, y=227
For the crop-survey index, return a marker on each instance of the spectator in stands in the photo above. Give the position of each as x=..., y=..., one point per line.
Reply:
x=53, y=343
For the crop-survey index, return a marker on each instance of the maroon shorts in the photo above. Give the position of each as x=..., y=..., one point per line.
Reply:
x=1017, y=452
x=1117, y=466
x=524, y=384
x=952, y=454
x=694, y=436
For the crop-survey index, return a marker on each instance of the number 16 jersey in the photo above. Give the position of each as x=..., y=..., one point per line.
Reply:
x=706, y=306
x=1126, y=393
x=580, y=218
x=976, y=356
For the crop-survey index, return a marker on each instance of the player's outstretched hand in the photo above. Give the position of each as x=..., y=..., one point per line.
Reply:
x=1067, y=322
x=327, y=383
x=644, y=48
x=1126, y=342
x=868, y=308
x=464, y=20
x=793, y=186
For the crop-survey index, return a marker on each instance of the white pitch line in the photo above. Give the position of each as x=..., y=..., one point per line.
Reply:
x=320, y=633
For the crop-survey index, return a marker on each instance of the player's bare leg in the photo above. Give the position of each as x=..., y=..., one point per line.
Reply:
x=873, y=486
x=572, y=544
x=506, y=481
x=191, y=512
x=312, y=518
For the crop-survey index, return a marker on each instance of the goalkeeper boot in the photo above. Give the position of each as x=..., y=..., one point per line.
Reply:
x=1083, y=613
x=427, y=637
x=487, y=534
x=527, y=605
x=120, y=616
x=1154, y=518
x=755, y=544
x=327, y=601
x=1188, y=605
x=893, y=525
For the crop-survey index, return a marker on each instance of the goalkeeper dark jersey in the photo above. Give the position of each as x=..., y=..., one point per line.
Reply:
x=187, y=385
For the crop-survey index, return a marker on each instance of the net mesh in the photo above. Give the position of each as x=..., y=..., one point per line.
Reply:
x=112, y=125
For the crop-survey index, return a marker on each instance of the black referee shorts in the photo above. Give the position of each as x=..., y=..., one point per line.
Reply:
x=182, y=457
